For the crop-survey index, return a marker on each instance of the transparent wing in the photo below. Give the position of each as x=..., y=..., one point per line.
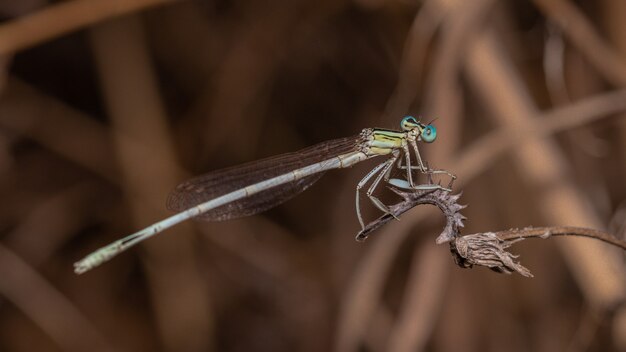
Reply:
x=217, y=183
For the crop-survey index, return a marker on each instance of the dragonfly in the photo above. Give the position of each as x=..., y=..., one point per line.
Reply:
x=257, y=186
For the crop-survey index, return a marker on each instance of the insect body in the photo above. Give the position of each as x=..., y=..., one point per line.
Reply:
x=260, y=185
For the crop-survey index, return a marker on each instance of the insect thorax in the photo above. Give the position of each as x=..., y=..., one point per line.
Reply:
x=378, y=141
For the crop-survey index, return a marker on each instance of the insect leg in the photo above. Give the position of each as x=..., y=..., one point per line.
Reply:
x=380, y=176
x=409, y=170
x=418, y=156
x=362, y=183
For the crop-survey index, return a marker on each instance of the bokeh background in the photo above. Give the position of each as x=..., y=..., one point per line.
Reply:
x=105, y=105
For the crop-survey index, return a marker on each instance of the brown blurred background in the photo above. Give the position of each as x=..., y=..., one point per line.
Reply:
x=105, y=105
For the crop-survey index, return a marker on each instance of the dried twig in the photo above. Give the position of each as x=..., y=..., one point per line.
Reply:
x=426, y=286
x=485, y=249
x=488, y=248
x=545, y=232
x=22, y=111
x=48, y=308
x=475, y=160
x=542, y=163
x=442, y=199
x=130, y=90
x=63, y=18
x=480, y=155
x=59, y=215
x=423, y=300
x=426, y=22
x=584, y=36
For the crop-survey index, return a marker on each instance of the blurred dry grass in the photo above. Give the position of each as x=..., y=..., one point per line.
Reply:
x=106, y=105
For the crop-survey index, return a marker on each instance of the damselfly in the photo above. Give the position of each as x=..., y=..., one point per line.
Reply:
x=260, y=185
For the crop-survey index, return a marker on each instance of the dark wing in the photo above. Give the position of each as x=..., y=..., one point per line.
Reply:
x=220, y=182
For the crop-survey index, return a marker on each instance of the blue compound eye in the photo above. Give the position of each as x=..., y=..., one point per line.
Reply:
x=408, y=123
x=429, y=133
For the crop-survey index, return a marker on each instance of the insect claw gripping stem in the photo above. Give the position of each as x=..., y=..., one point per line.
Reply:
x=431, y=172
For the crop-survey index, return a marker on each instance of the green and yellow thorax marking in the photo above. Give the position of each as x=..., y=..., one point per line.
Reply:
x=378, y=141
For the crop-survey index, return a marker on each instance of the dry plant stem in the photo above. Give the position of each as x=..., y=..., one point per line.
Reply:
x=420, y=35
x=31, y=113
x=57, y=216
x=615, y=26
x=61, y=118
x=478, y=156
x=46, y=120
x=5, y=61
x=367, y=282
x=261, y=265
x=445, y=201
x=179, y=295
x=587, y=330
x=422, y=298
x=579, y=30
x=62, y=18
x=488, y=249
x=543, y=232
x=35, y=115
x=444, y=90
x=598, y=271
x=428, y=276
x=364, y=291
x=253, y=59
x=422, y=301
x=366, y=287
x=554, y=67
x=46, y=306
x=376, y=337
x=413, y=326
x=271, y=259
